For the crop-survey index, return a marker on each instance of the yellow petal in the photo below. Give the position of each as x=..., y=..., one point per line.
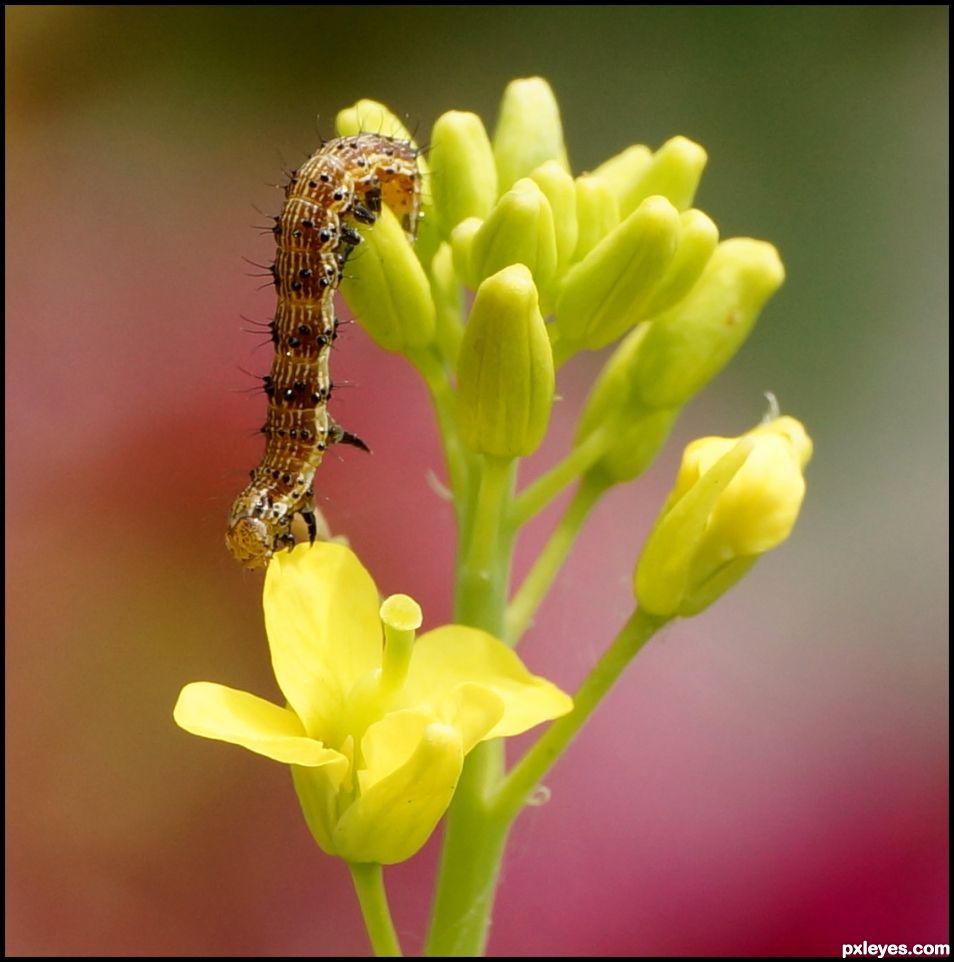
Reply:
x=216, y=711
x=456, y=655
x=394, y=816
x=474, y=711
x=759, y=508
x=664, y=568
x=318, y=797
x=321, y=614
x=389, y=743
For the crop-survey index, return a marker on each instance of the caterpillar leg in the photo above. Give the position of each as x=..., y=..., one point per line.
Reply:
x=338, y=435
x=308, y=516
x=362, y=214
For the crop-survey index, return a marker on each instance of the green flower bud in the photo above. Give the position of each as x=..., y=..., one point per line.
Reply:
x=366, y=115
x=528, y=132
x=462, y=244
x=635, y=445
x=519, y=230
x=449, y=302
x=606, y=294
x=560, y=190
x=674, y=172
x=734, y=499
x=505, y=374
x=597, y=213
x=466, y=182
x=428, y=236
x=622, y=173
x=392, y=300
x=613, y=392
x=690, y=343
x=638, y=433
x=698, y=237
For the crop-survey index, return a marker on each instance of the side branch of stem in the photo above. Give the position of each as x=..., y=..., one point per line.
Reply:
x=527, y=773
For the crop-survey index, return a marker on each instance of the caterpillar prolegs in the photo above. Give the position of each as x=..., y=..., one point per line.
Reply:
x=340, y=186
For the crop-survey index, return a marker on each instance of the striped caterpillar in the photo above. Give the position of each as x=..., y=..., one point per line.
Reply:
x=342, y=184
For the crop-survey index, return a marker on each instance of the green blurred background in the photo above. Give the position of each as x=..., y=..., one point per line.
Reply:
x=770, y=778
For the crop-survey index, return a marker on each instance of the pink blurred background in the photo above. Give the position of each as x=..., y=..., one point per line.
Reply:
x=770, y=778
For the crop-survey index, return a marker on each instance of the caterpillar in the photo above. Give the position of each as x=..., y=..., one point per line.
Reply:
x=342, y=185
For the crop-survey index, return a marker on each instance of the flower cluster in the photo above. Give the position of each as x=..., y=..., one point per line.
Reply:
x=518, y=266
x=559, y=265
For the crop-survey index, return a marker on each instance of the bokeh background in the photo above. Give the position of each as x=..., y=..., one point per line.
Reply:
x=769, y=778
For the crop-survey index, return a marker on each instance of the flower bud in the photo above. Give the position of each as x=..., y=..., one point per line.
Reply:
x=465, y=182
x=638, y=433
x=734, y=499
x=448, y=302
x=635, y=445
x=528, y=132
x=690, y=343
x=505, y=373
x=560, y=190
x=390, y=295
x=462, y=245
x=698, y=237
x=622, y=173
x=519, y=230
x=597, y=213
x=605, y=294
x=674, y=172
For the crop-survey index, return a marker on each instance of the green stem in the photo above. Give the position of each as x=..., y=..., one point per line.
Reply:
x=369, y=886
x=473, y=847
x=527, y=773
x=444, y=402
x=535, y=497
x=545, y=569
x=485, y=571
x=474, y=838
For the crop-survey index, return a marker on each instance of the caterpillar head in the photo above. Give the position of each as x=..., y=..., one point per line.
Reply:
x=251, y=542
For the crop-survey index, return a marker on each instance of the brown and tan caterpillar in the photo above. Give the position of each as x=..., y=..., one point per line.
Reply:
x=342, y=184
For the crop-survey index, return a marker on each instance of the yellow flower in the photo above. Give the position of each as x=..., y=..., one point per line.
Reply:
x=734, y=499
x=375, y=733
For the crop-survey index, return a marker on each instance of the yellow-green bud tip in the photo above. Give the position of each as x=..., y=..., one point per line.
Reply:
x=370, y=115
x=519, y=230
x=528, y=132
x=607, y=293
x=467, y=182
x=505, y=371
